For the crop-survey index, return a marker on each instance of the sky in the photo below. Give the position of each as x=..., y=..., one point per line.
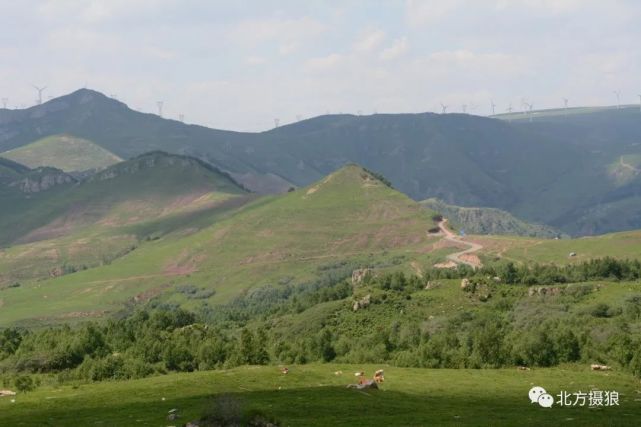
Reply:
x=238, y=65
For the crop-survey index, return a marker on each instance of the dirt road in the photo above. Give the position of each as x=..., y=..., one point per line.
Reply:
x=463, y=257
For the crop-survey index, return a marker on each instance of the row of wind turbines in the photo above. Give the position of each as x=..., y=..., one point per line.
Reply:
x=527, y=107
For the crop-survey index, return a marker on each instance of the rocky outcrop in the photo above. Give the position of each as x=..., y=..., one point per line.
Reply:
x=543, y=290
x=42, y=179
x=362, y=303
x=359, y=275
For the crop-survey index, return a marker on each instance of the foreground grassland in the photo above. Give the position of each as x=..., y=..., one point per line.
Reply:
x=313, y=395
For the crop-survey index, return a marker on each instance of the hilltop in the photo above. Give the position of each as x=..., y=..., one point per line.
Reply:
x=79, y=225
x=64, y=152
x=561, y=170
x=347, y=220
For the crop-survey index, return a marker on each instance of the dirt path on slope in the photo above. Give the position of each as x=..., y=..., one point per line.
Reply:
x=628, y=166
x=466, y=256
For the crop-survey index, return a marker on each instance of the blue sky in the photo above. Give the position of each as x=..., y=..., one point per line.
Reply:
x=238, y=65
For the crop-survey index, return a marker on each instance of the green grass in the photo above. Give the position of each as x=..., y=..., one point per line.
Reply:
x=91, y=223
x=65, y=152
x=349, y=215
x=312, y=395
x=624, y=245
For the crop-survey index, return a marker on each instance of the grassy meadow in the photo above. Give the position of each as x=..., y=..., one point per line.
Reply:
x=313, y=395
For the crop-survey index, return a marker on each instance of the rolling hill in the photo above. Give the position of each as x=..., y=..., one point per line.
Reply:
x=488, y=221
x=84, y=224
x=63, y=152
x=348, y=219
x=562, y=170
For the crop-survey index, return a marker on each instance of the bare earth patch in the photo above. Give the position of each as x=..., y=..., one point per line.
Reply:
x=447, y=264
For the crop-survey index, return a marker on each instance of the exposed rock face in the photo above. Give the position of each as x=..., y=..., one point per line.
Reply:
x=362, y=303
x=542, y=290
x=359, y=275
x=42, y=180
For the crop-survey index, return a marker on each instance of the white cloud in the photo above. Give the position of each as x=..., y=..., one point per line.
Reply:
x=288, y=48
x=255, y=60
x=323, y=63
x=253, y=32
x=422, y=12
x=397, y=49
x=369, y=41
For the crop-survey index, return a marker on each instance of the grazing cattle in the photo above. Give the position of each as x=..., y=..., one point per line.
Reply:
x=378, y=376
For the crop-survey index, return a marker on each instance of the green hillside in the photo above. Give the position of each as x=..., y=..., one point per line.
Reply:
x=488, y=220
x=624, y=245
x=347, y=220
x=558, y=169
x=74, y=227
x=64, y=152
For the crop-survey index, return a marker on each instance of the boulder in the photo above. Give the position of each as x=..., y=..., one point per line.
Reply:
x=362, y=303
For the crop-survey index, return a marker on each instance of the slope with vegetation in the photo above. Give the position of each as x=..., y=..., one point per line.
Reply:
x=64, y=152
x=560, y=169
x=82, y=225
x=488, y=220
x=348, y=219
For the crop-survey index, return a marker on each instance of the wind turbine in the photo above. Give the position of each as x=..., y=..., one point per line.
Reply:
x=637, y=95
x=493, y=105
x=443, y=108
x=565, y=103
x=181, y=117
x=40, y=90
x=509, y=112
x=4, y=102
x=618, y=95
x=464, y=108
x=160, y=104
x=527, y=109
x=276, y=122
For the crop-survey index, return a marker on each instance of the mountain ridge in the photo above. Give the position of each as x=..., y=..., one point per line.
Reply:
x=551, y=170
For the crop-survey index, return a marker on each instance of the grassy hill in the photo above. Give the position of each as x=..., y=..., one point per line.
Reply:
x=63, y=152
x=624, y=245
x=347, y=220
x=82, y=225
x=559, y=170
x=488, y=220
x=312, y=395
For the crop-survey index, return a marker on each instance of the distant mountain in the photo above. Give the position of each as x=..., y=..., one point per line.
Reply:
x=64, y=152
x=488, y=221
x=563, y=170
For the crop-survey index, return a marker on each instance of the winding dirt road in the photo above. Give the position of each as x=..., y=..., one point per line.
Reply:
x=463, y=257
